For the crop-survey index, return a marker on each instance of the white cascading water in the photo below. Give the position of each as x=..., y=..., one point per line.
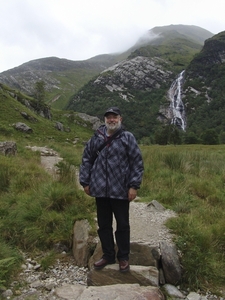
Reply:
x=176, y=104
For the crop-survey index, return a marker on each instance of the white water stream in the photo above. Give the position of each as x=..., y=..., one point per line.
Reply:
x=176, y=104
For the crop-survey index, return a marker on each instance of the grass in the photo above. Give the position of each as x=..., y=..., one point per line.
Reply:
x=37, y=212
x=190, y=180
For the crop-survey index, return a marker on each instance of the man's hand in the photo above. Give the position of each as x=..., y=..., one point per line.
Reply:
x=132, y=193
x=87, y=190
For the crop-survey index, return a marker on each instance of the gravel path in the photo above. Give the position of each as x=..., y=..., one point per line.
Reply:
x=147, y=225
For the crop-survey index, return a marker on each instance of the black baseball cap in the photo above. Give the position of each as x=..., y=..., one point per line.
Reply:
x=113, y=110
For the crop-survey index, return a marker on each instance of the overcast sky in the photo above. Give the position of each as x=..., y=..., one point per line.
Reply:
x=80, y=29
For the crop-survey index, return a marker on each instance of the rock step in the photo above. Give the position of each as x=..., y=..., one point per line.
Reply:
x=110, y=292
x=110, y=275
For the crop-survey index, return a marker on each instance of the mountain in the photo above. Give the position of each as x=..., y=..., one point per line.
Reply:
x=139, y=81
x=62, y=77
x=139, y=84
x=204, y=89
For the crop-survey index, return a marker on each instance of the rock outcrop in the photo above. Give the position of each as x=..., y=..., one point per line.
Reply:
x=22, y=127
x=8, y=148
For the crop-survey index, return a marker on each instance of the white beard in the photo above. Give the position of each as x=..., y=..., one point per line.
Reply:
x=112, y=126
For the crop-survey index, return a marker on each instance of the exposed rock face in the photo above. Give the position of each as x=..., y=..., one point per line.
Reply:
x=139, y=73
x=206, y=67
x=96, y=122
x=25, y=76
x=212, y=53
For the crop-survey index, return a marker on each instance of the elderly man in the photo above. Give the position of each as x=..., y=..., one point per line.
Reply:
x=111, y=171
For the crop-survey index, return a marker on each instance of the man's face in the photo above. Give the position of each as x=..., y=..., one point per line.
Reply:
x=113, y=121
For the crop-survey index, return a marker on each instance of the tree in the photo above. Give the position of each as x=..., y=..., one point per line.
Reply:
x=191, y=138
x=40, y=91
x=210, y=137
x=168, y=134
x=222, y=137
x=174, y=135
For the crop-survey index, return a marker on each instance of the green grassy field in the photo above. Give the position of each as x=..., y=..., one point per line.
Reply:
x=191, y=181
x=36, y=212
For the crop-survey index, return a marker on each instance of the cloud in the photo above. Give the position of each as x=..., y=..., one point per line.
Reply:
x=80, y=29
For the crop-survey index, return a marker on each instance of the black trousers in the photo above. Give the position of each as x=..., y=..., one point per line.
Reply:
x=106, y=207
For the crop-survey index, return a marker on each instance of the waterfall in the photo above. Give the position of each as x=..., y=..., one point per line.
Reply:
x=176, y=104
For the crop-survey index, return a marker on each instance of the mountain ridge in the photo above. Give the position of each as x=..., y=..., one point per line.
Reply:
x=140, y=82
x=64, y=77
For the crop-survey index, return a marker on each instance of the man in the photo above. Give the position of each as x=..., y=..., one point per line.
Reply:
x=113, y=178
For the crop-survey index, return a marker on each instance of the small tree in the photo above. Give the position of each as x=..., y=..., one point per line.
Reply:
x=40, y=91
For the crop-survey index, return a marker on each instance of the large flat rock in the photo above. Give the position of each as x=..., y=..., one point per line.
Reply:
x=111, y=292
x=145, y=276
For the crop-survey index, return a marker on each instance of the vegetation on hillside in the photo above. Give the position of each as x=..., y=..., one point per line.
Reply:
x=203, y=93
x=140, y=114
x=205, y=108
x=177, y=53
x=190, y=180
x=37, y=212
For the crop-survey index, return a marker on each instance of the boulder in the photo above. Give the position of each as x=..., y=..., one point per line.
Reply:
x=143, y=254
x=96, y=122
x=28, y=117
x=170, y=263
x=173, y=292
x=81, y=249
x=8, y=148
x=22, y=127
x=59, y=126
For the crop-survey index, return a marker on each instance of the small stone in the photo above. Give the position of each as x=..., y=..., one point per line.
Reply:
x=36, y=284
x=193, y=296
x=7, y=293
x=37, y=267
x=173, y=291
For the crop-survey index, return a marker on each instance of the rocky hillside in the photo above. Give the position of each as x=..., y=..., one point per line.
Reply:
x=139, y=81
x=63, y=77
x=139, y=84
x=204, y=89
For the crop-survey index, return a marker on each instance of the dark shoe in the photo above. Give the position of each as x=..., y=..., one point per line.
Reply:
x=124, y=265
x=102, y=263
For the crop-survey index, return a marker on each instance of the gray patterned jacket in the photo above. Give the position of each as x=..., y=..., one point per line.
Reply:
x=118, y=167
